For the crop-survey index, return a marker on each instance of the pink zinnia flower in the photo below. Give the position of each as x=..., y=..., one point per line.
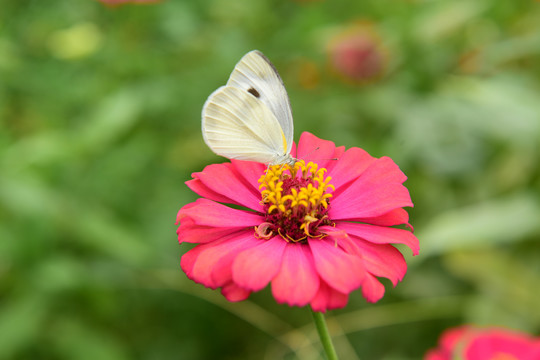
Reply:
x=315, y=231
x=493, y=343
x=357, y=54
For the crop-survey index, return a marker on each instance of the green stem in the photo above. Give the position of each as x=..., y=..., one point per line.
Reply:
x=326, y=340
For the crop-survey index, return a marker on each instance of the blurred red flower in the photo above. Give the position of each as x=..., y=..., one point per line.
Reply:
x=314, y=237
x=492, y=343
x=356, y=54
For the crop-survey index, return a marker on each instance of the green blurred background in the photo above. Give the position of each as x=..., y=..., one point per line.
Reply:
x=100, y=128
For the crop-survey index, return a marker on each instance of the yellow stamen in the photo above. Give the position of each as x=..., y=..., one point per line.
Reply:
x=296, y=199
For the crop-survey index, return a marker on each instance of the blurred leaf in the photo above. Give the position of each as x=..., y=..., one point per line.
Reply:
x=503, y=108
x=59, y=273
x=508, y=287
x=450, y=131
x=20, y=322
x=516, y=48
x=78, y=41
x=111, y=118
x=502, y=220
x=97, y=229
x=77, y=342
x=41, y=149
x=22, y=195
x=446, y=17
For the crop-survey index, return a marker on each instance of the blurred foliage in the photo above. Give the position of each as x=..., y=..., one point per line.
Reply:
x=100, y=128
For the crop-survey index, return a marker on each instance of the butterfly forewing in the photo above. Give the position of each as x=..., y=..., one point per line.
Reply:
x=237, y=125
x=256, y=75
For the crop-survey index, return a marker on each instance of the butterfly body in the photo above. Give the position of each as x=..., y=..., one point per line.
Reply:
x=250, y=117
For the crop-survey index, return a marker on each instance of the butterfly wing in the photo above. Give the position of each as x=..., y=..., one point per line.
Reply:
x=238, y=125
x=256, y=75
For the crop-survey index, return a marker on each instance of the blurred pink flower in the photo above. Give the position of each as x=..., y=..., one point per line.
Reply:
x=356, y=54
x=492, y=343
x=316, y=232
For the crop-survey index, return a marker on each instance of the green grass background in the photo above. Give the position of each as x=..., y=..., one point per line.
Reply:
x=100, y=128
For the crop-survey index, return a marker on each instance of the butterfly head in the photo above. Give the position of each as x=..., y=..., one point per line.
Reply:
x=283, y=159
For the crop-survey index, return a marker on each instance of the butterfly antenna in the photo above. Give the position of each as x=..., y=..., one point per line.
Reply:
x=317, y=148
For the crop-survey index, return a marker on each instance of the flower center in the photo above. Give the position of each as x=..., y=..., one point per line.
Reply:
x=295, y=200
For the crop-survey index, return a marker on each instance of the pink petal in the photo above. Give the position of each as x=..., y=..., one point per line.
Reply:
x=199, y=188
x=344, y=272
x=489, y=343
x=234, y=293
x=394, y=217
x=341, y=239
x=372, y=289
x=328, y=298
x=455, y=337
x=216, y=256
x=293, y=150
x=363, y=202
x=382, y=260
x=298, y=281
x=190, y=232
x=485, y=344
x=221, y=179
x=337, y=235
x=378, y=259
x=375, y=193
x=222, y=272
x=350, y=166
x=436, y=355
x=381, y=234
x=250, y=172
x=311, y=148
x=253, y=269
x=334, y=160
x=187, y=262
x=185, y=209
x=205, y=212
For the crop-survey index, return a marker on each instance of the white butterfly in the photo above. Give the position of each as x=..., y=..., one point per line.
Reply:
x=250, y=118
